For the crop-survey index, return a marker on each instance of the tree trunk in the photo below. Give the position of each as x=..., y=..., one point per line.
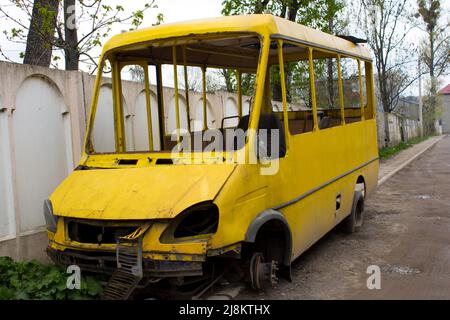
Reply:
x=276, y=86
x=293, y=5
x=382, y=86
x=387, y=138
x=261, y=6
x=71, y=52
x=283, y=9
x=41, y=32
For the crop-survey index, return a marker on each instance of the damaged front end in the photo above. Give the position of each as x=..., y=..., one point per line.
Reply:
x=138, y=252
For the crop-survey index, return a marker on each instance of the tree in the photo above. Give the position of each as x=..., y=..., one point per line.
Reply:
x=385, y=25
x=434, y=52
x=76, y=27
x=43, y=19
x=309, y=13
x=230, y=80
x=234, y=7
x=306, y=12
x=137, y=73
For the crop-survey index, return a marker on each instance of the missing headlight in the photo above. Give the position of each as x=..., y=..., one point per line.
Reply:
x=198, y=220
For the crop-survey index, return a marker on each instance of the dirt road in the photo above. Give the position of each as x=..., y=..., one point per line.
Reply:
x=406, y=233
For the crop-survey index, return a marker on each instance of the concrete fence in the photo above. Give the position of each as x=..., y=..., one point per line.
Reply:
x=43, y=117
x=400, y=129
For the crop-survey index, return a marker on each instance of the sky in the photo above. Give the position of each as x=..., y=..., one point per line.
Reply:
x=173, y=11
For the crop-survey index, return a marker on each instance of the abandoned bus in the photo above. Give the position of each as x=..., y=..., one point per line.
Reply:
x=152, y=202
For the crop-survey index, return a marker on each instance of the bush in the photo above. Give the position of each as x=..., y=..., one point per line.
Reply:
x=31, y=280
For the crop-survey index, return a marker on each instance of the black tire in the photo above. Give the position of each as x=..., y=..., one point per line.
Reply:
x=354, y=221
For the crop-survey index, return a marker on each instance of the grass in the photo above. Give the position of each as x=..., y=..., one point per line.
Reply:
x=388, y=152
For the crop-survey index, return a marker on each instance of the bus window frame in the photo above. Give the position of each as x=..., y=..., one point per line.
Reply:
x=309, y=50
x=370, y=108
x=283, y=95
x=337, y=56
x=144, y=65
x=368, y=67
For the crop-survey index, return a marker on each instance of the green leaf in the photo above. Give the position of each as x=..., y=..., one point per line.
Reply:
x=21, y=295
x=94, y=288
x=75, y=295
x=6, y=293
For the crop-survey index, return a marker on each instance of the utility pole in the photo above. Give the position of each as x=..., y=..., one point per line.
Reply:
x=420, y=99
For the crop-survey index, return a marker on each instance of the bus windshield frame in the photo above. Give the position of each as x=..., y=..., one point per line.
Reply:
x=121, y=57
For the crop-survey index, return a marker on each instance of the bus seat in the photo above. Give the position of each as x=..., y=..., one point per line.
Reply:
x=324, y=123
x=335, y=122
x=268, y=121
x=271, y=122
x=297, y=126
x=352, y=119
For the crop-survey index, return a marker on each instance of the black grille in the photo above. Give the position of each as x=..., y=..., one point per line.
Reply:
x=94, y=233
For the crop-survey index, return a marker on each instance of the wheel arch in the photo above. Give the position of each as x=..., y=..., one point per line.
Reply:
x=265, y=218
x=361, y=181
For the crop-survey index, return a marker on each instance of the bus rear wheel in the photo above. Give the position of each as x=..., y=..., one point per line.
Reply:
x=354, y=221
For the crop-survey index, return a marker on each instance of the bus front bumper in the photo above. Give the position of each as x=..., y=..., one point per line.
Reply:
x=105, y=263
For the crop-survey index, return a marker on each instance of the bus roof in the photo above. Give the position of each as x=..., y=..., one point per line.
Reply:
x=263, y=24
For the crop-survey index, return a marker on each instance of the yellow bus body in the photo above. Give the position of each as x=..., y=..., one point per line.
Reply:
x=318, y=166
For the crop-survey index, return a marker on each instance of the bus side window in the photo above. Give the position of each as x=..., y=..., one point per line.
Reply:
x=368, y=112
x=298, y=89
x=327, y=89
x=351, y=89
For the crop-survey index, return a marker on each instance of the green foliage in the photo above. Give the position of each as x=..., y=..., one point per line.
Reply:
x=248, y=84
x=230, y=79
x=159, y=19
x=47, y=16
x=315, y=14
x=299, y=86
x=31, y=280
x=234, y=7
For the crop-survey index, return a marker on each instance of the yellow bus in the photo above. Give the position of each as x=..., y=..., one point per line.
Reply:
x=175, y=211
